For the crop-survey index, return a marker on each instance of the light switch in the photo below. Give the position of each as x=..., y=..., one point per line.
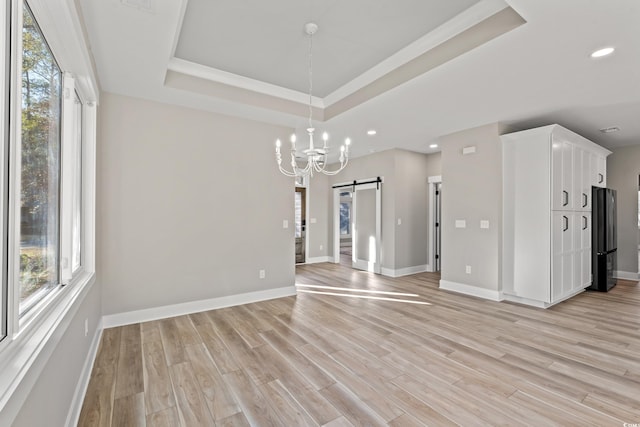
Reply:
x=285, y=224
x=484, y=223
x=469, y=150
x=313, y=220
x=399, y=221
x=461, y=223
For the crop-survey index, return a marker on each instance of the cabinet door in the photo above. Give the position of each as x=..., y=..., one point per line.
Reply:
x=585, y=179
x=562, y=193
x=600, y=179
x=585, y=250
x=562, y=264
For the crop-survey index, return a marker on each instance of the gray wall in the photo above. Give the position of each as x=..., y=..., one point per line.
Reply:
x=472, y=191
x=49, y=399
x=317, y=204
x=623, y=168
x=378, y=164
x=190, y=206
x=412, y=206
x=404, y=196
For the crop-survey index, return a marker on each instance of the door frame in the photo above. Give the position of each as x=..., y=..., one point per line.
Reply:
x=431, y=253
x=377, y=267
x=304, y=190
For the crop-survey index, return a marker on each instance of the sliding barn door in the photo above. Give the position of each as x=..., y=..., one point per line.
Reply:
x=366, y=227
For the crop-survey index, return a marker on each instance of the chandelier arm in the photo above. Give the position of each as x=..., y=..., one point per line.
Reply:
x=335, y=172
x=286, y=172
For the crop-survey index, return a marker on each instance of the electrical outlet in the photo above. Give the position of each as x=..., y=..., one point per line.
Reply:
x=321, y=247
x=86, y=327
x=262, y=274
x=468, y=269
x=285, y=223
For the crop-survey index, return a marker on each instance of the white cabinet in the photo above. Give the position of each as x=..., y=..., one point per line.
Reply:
x=548, y=173
x=600, y=172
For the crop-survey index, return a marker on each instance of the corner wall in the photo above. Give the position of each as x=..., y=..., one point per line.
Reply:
x=623, y=168
x=472, y=191
x=404, y=197
x=190, y=207
x=52, y=390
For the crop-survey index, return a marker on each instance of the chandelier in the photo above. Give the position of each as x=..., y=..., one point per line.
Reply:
x=315, y=157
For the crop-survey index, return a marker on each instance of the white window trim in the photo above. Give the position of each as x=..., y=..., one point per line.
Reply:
x=3, y=131
x=31, y=340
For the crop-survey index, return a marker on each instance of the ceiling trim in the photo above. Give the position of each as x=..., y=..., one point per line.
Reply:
x=461, y=22
x=207, y=87
x=475, y=26
x=234, y=80
x=486, y=30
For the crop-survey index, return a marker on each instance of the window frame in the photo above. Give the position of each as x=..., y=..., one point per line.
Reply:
x=5, y=87
x=30, y=339
x=32, y=302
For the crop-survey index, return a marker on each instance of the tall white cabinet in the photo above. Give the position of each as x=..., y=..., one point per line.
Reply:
x=548, y=173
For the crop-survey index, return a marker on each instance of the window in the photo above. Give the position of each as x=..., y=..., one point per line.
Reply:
x=76, y=208
x=345, y=214
x=40, y=166
x=47, y=179
x=345, y=218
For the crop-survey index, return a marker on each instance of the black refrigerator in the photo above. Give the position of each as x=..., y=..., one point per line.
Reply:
x=603, y=238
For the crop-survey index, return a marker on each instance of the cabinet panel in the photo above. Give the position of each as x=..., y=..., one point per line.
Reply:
x=588, y=167
x=601, y=174
x=557, y=196
x=562, y=175
x=563, y=244
x=568, y=181
x=585, y=251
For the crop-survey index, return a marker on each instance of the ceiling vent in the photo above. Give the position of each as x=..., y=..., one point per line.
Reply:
x=610, y=129
x=143, y=5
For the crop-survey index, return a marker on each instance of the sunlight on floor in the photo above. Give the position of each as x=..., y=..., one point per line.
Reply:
x=306, y=291
x=400, y=294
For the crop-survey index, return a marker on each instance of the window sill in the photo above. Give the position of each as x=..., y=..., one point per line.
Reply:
x=24, y=355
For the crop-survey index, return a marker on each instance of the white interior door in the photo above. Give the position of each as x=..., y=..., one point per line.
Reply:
x=366, y=227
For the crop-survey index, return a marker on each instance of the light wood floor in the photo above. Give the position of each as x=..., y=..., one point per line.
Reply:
x=357, y=358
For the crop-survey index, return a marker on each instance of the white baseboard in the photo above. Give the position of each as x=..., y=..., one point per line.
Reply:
x=145, y=315
x=319, y=259
x=471, y=290
x=626, y=275
x=404, y=271
x=81, y=389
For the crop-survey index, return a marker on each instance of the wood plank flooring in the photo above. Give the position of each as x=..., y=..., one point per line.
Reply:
x=353, y=348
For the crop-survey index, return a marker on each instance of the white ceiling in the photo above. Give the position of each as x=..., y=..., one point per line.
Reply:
x=266, y=40
x=244, y=59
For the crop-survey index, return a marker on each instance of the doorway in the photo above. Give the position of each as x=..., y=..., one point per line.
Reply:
x=435, y=224
x=360, y=204
x=300, y=224
x=346, y=214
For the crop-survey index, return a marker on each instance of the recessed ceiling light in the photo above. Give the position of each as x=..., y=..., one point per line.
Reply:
x=371, y=132
x=602, y=52
x=610, y=129
x=433, y=146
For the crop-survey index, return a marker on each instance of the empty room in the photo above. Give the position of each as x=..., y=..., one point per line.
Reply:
x=319, y=213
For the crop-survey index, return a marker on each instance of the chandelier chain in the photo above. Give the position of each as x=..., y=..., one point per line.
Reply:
x=316, y=156
x=310, y=79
